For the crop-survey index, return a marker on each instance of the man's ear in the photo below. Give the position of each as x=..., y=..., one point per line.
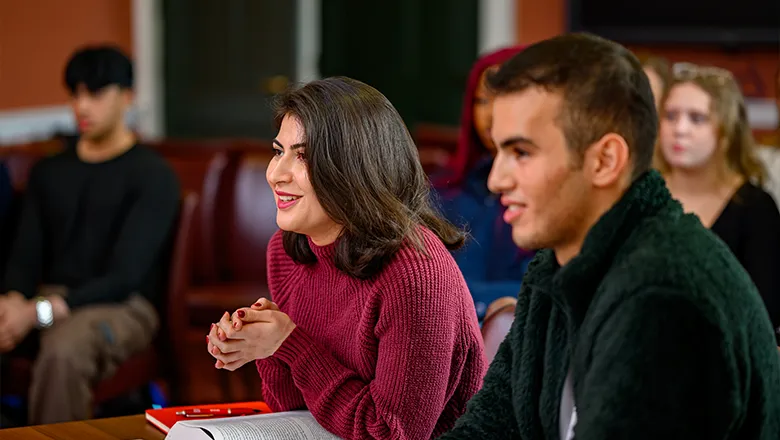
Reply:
x=606, y=161
x=128, y=96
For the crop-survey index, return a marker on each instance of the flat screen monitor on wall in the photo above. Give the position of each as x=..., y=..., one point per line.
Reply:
x=722, y=22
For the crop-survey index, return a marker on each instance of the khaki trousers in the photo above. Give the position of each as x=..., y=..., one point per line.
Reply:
x=77, y=353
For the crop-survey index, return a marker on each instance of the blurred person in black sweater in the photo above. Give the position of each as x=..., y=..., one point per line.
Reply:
x=85, y=269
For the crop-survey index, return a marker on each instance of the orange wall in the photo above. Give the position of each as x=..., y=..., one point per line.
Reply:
x=540, y=19
x=38, y=36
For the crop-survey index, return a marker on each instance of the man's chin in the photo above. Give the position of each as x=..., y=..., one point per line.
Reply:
x=89, y=135
x=93, y=134
x=523, y=242
x=525, y=239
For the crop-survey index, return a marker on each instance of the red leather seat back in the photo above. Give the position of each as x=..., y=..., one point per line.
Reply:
x=252, y=222
x=20, y=159
x=495, y=327
x=19, y=166
x=202, y=172
x=435, y=145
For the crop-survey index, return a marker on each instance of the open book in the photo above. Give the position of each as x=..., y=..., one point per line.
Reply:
x=292, y=425
x=165, y=418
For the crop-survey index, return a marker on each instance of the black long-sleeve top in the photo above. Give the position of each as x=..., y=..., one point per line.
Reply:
x=750, y=226
x=99, y=229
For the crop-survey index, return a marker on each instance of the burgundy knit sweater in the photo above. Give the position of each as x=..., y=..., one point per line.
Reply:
x=393, y=357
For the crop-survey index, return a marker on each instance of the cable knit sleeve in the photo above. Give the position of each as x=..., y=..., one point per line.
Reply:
x=279, y=390
x=419, y=361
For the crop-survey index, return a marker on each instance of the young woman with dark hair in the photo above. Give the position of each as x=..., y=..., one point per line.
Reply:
x=373, y=328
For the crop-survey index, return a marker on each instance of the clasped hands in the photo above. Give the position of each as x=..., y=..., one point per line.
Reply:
x=250, y=333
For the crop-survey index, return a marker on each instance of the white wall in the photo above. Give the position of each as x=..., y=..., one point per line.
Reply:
x=762, y=113
x=149, y=68
x=39, y=123
x=497, y=27
x=308, y=43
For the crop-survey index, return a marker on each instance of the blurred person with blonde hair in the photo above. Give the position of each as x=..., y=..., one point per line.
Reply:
x=706, y=154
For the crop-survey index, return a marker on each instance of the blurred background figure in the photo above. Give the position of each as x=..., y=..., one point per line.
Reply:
x=86, y=264
x=490, y=262
x=707, y=156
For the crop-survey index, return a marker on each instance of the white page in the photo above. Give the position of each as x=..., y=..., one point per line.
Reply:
x=275, y=426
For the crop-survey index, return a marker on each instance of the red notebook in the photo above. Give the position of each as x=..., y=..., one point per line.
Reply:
x=164, y=418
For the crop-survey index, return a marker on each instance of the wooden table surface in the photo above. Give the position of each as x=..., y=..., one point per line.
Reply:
x=117, y=428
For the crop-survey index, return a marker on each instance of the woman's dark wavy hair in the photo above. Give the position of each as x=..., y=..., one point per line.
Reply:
x=366, y=172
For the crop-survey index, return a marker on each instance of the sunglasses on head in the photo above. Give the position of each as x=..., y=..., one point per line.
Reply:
x=683, y=71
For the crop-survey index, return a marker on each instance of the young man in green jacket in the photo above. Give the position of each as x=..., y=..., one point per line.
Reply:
x=635, y=321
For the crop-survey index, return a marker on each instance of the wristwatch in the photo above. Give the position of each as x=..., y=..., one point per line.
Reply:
x=45, y=312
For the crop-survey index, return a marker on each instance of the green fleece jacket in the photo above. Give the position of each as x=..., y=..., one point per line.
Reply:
x=665, y=335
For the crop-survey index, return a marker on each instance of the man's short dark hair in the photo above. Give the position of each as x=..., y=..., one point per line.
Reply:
x=97, y=67
x=603, y=86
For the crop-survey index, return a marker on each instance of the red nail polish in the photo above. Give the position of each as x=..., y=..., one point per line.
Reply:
x=241, y=313
x=207, y=339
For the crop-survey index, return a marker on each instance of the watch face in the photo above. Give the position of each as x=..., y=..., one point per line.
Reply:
x=45, y=314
